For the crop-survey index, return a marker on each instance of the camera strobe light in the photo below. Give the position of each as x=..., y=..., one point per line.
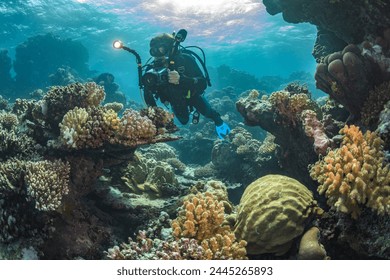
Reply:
x=117, y=44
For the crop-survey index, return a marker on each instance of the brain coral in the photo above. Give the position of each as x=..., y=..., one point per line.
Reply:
x=272, y=212
x=355, y=174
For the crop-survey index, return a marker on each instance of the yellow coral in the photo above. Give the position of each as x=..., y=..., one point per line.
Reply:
x=224, y=247
x=268, y=146
x=272, y=212
x=355, y=174
x=73, y=128
x=290, y=106
x=88, y=128
x=202, y=218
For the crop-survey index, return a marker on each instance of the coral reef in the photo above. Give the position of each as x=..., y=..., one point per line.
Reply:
x=354, y=175
x=60, y=99
x=63, y=77
x=115, y=106
x=347, y=21
x=272, y=212
x=201, y=218
x=88, y=128
x=196, y=234
x=280, y=115
x=151, y=177
x=383, y=129
x=243, y=154
x=133, y=127
x=47, y=182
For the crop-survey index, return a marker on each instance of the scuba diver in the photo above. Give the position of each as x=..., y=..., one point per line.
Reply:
x=174, y=77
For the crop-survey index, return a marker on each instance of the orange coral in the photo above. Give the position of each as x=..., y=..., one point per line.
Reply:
x=201, y=218
x=355, y=174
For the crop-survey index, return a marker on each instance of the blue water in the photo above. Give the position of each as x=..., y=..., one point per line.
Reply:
x=239, y=34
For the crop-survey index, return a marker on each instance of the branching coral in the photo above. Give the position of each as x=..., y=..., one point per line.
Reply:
x=162, y=119
x=8, y=120
x=355, y=174
x=290, y=106
x=145, y=248
x=201, y=218
x=60, y=99
x=91, y=127
x=47, y=182
x=135, y=127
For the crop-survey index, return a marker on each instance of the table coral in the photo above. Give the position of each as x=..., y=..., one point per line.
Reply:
x=355, y=175
x=272, y=212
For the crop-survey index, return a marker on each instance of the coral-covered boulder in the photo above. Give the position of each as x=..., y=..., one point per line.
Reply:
x=272, y=212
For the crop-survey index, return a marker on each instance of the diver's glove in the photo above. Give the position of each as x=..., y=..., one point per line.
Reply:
x=173, y=77
x=222, y=130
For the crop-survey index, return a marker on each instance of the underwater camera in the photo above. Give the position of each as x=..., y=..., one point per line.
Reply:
x=155, y=77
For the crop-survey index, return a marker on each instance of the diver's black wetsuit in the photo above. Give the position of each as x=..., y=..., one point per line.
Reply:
x=188, y=93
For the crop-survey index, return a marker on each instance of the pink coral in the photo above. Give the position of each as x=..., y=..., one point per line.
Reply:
x=315, y=129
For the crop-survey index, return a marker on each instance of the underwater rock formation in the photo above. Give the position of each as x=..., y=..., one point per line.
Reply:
x=280, y=115
x=347, y=238
x=42, y=55
x=64, y=76
x=243, y=154
x=347, y=76
x=113, y=94
x=58, y=194
x=5, y=74
x=310, y=247
x=348, y=20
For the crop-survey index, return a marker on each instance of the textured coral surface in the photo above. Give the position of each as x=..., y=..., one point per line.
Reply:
x=272, y=212
x=355, y=175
